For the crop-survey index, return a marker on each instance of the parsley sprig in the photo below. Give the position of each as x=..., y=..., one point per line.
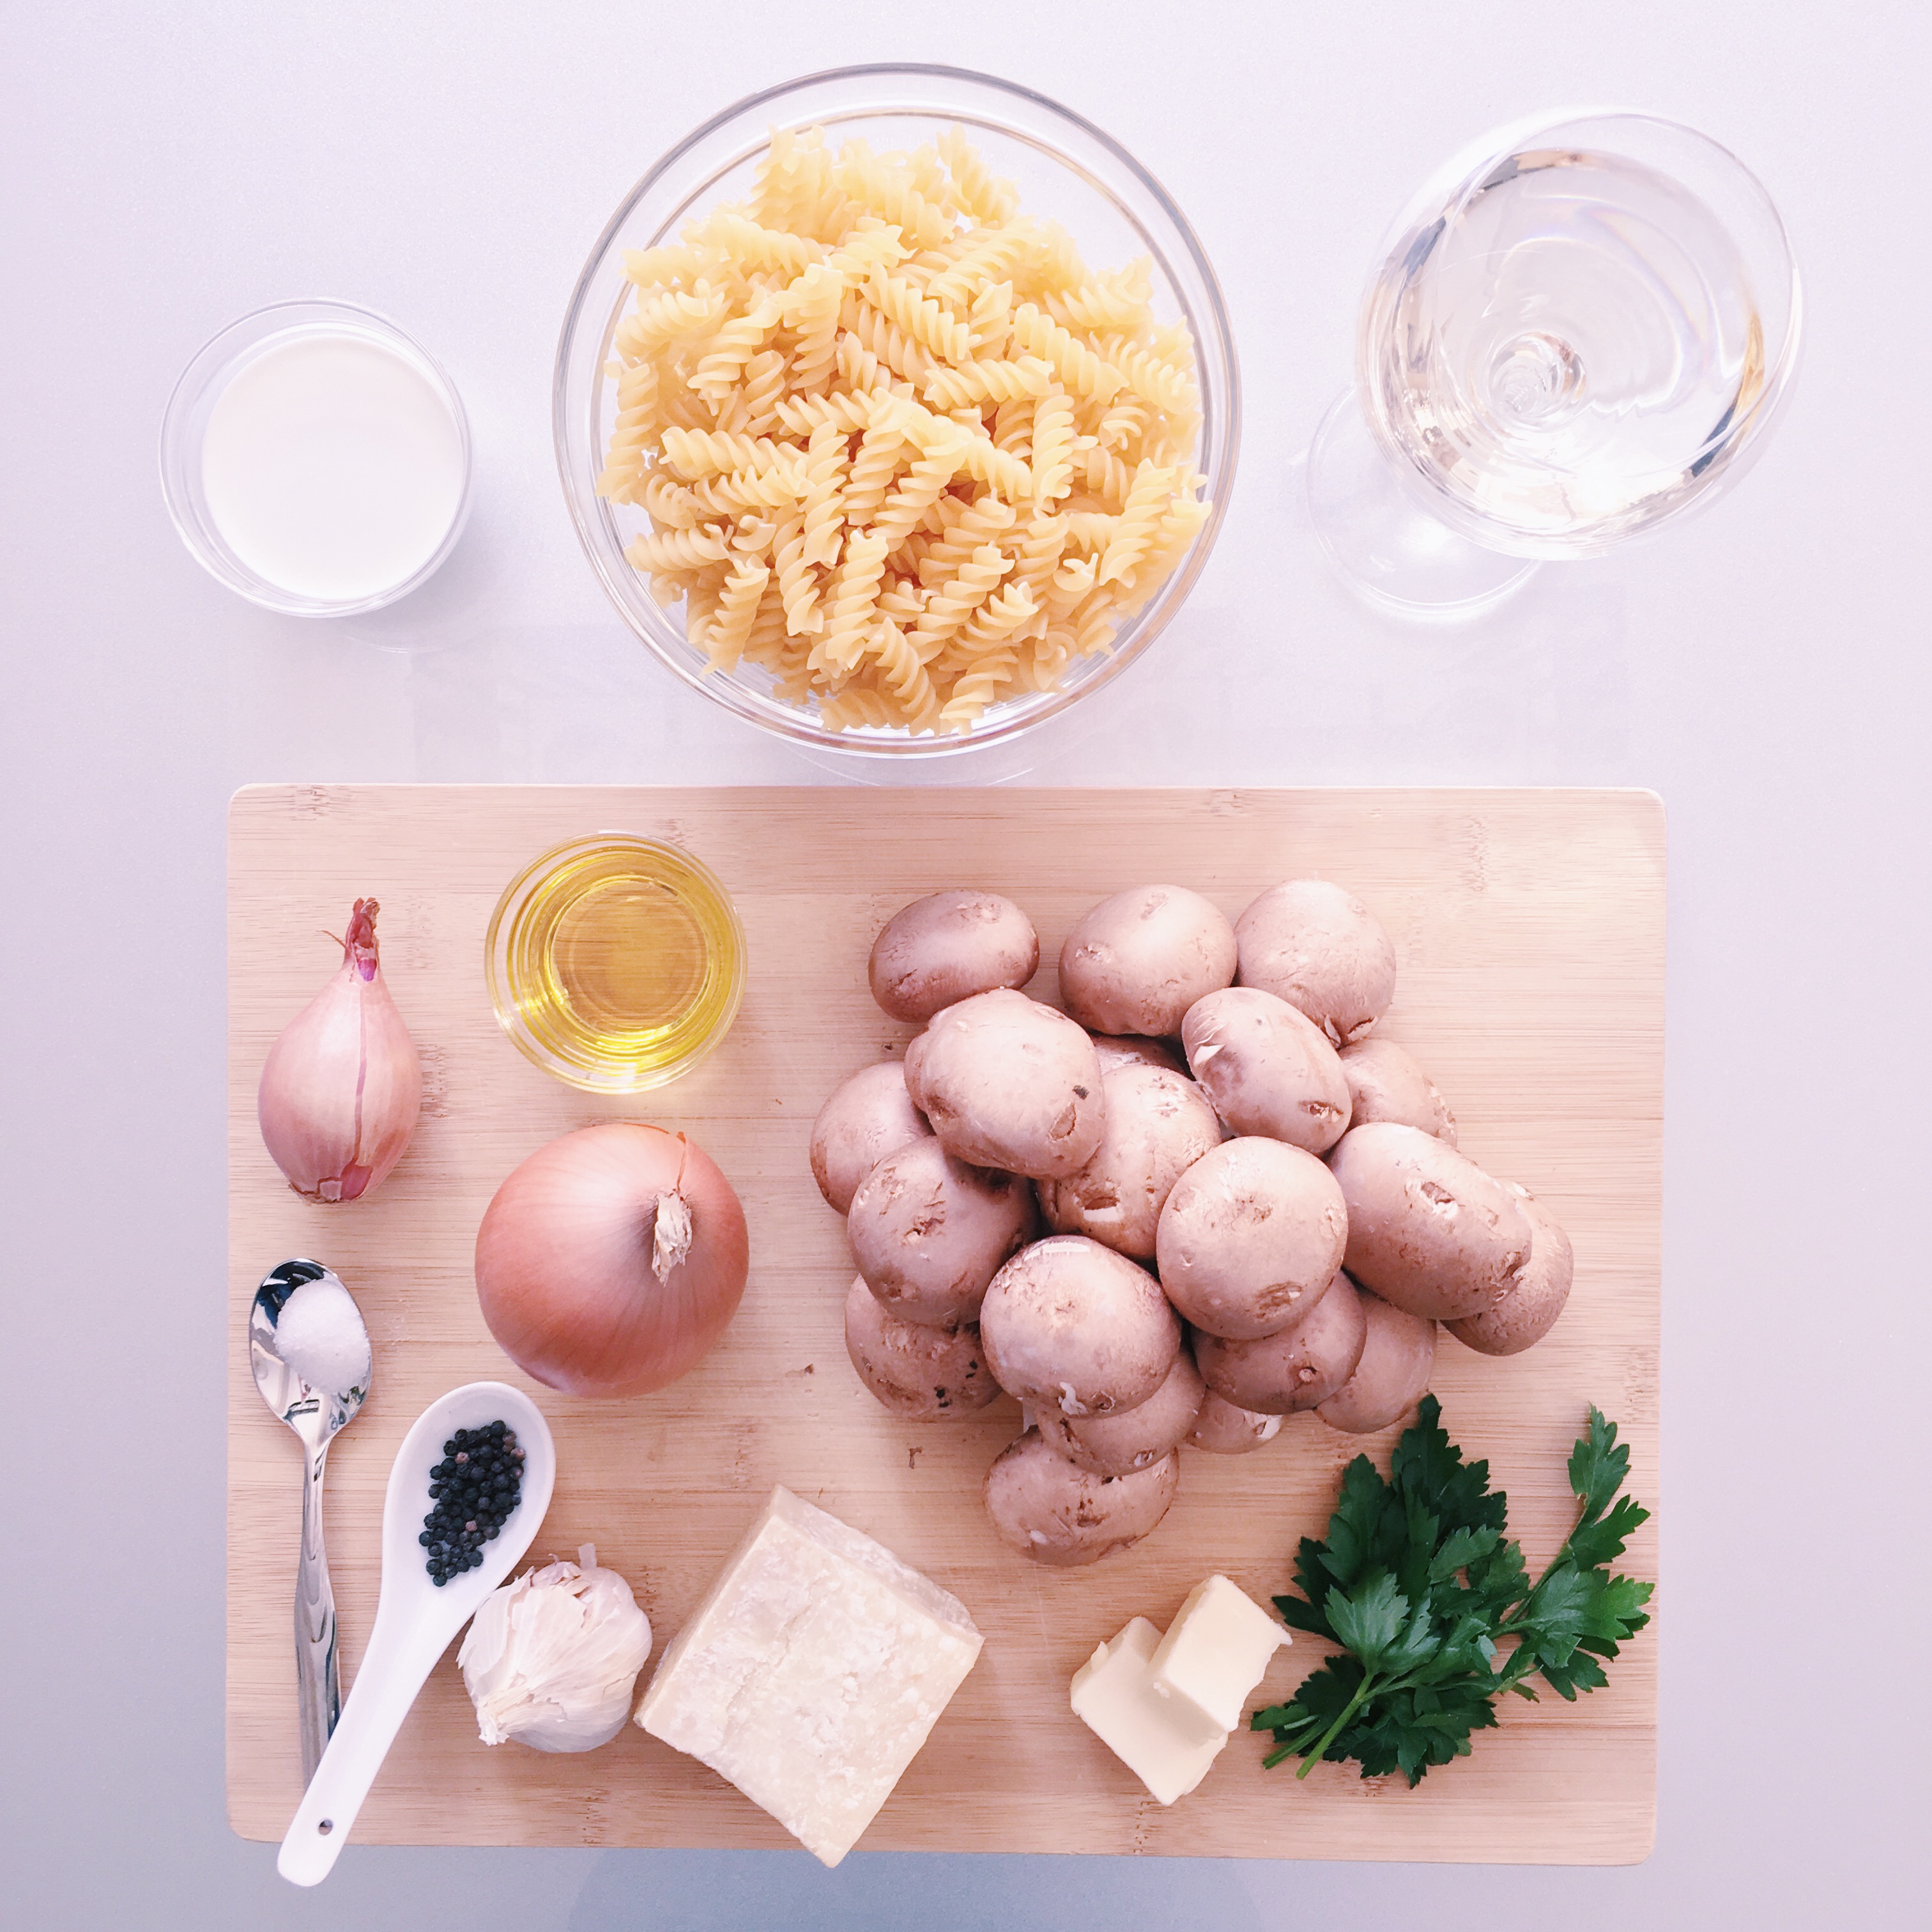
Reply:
x=1434, y=1611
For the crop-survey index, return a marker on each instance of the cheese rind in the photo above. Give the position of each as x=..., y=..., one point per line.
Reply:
x=812, y=1673
x=1164, y=1745
x=1215, y=1652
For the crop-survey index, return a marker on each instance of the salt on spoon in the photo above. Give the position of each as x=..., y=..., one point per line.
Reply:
x=319, y=1334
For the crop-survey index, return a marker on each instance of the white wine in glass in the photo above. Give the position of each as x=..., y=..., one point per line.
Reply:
x=1581, y=327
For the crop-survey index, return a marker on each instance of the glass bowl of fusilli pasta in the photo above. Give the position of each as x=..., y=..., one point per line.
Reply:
x=897, y=409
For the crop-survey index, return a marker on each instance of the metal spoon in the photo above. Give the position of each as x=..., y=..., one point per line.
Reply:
x=316, y=1416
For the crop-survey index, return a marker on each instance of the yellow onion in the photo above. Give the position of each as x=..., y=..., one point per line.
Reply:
x=343, y=1083
x=612, y=1259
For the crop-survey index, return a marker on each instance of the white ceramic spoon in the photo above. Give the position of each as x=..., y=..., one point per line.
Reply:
x=415, y=1620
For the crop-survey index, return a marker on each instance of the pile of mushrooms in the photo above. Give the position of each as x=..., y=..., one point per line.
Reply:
x=1204, y=1197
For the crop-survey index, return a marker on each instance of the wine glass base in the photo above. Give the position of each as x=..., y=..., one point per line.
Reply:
x=1391, y=553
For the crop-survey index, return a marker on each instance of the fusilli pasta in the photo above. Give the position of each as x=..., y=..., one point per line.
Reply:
x=896, y=444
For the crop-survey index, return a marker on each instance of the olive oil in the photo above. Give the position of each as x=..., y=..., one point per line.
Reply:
x=616, y=962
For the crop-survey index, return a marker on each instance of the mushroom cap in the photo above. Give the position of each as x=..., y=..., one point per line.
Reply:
x=1268, y=1069
x=1385, y=1084
x=930, y=1232
x=948, y=946
x=1048, y=1508
x=1251, y=1236
x=1398, y=1354
x=921, y=1373
x=1072, y=1326
x=1224, y=1429
x=1134, y=1439
x=1007, y=1082
x=1525, y=1309
x=1115, y=1050
x=868, y=1116
x=1320, y=949
x=1428, y=1229
x=1136, y=962
x=1158, y=1125
x=1295, y=1368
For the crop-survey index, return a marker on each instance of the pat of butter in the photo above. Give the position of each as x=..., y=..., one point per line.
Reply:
x=812, y=1673
x=1215, y=1652
x=1163, y=1742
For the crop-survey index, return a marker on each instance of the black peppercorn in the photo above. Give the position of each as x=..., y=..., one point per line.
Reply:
x=473, y=1491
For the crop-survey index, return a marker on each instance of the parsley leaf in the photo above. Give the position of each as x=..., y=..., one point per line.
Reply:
x=1459, y=1549
x=1369, y=1618
x=1361, y=1532
x=1599, y=1465
x=1420, y=1588
x=1594, y=1544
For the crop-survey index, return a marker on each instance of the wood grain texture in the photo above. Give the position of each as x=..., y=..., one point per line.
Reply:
x=1529, y=928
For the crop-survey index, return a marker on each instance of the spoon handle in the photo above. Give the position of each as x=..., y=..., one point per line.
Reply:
x=318, y=1687
x=402, y=1653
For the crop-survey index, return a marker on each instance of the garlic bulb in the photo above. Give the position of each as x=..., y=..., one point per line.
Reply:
x=343, y=1083
x=551, y=1660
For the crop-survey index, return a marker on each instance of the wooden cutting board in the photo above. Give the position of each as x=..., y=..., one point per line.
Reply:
x=1529, y=926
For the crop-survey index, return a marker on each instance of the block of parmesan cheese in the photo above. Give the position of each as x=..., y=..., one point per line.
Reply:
x=812, y=1673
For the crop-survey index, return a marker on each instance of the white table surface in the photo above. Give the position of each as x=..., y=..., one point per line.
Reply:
x=166, y=168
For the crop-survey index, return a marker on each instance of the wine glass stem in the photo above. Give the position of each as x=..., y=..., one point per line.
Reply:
x=1385, y=546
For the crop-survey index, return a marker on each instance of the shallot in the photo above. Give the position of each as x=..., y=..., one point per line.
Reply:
x=611, y=1260
x=342, y=1086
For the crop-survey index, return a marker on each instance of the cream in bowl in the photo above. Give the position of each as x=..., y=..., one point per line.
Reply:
x=316, y=459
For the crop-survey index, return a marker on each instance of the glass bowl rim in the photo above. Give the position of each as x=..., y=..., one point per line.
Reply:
x=200, y=369
x=503, y=1006
x=795, y=724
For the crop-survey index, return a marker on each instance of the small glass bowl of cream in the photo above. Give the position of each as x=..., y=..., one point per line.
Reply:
x=316, y=459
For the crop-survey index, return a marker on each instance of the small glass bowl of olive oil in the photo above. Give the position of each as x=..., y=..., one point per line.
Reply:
x=615, y=962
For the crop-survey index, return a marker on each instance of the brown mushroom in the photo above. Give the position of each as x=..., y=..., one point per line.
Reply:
x=1158, y=1125
x=869, y=1117
x=1047, y=1508
x=1323, y=951
x=1137, y=961
x=1113, y=1050
x=1251, y=1235
x=920, y=1373
x=1226, y=1430
x=930, y=1232
x=1129, y=1439
x=1384, y=1083
x=1295, y=1368
x=947, y=946
x=1398, y=1352
x=1070, y=1325
x=1007, y=1082
x=1268, y=1069
x=1428, y=1229
x=1525, y=1309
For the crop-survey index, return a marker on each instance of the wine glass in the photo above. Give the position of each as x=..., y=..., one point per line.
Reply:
x=1582, y=325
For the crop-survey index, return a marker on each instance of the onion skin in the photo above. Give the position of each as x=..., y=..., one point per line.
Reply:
x=341, y=1089
x=566, y=1254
